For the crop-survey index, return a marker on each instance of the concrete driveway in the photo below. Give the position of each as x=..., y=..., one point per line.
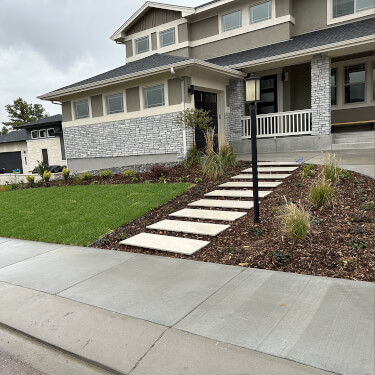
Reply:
x=140, y=314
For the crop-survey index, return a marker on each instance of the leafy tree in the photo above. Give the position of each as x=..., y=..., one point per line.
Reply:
x=21, y=112
x=4, y=130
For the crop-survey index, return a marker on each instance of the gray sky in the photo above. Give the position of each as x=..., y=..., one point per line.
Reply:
x=47, y=44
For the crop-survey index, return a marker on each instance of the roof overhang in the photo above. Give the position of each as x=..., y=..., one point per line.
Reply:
x=225, y=71
x=121, y=32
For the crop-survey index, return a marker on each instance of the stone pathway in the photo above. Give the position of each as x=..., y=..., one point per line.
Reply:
x=233, y=194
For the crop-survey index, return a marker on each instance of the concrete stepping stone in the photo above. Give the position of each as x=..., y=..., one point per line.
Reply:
x=236, y=193
x=170, y=244
x=208, y=214
x=275, y=163
x=272, y=169
x=246, y=205
x=205, y=229
x=273, y=176
x=261, y=184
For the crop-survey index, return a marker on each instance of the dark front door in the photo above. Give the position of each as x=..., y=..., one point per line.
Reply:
x=45, y=156
x=10, y=161
x=208, y=102
x=268, y=95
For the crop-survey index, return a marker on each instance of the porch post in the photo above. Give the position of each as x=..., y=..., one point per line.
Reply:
x=321, y=94
x=236, y=93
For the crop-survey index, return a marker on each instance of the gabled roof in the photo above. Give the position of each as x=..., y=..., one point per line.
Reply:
x=55, y=119
x=185, y=11
x=153, y=64
x=13, y=136
x=296, y=45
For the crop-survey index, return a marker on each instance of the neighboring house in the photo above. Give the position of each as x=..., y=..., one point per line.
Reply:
x=315, y=60
x=13, y=151
x=45, y=142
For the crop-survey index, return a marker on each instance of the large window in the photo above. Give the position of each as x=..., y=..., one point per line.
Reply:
x=154, y=96
x=51, y=132
x=82, y=109
x=232, y=21
x=42, y=133
x=115, y=103
x=355, y=83
x=333, y=86
x=345, y=7
x=167, y=38
x=261, y=12
x=142, y=45
x=34, y=134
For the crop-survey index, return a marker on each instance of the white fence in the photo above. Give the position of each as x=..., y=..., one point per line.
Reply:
x=279, y=124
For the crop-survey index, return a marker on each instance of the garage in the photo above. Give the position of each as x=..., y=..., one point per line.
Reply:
x=13, y=151
x=11, y=161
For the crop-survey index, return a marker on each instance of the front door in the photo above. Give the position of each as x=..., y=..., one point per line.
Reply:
x=208, y=102
x=45, y=156
x=268, y=95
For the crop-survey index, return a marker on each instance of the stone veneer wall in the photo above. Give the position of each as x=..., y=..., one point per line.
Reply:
x=232, y=120
x=321, y=94
x=140, y=136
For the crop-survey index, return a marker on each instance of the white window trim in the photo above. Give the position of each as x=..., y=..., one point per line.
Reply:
x=165, y=92
x=73, y=108
x=221, y=29
x=31, y=134
x=331, y=20
x=41, y=130
x=105, y=104
x=148, y=37
x=164, y=31
x=340, y=84
x=51, y=136
x=273, y=11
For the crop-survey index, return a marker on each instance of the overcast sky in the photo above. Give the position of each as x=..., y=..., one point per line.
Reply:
x=48, y=44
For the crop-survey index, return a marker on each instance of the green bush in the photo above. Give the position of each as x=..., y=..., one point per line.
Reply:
x=181, y=179
x=308, y=170
x=321, y=193
x=227, y=156
x=357, y=243
x=148, y=181
x=162, y=179
x=331, y=170
x=193, y=157
x=46, y=176
x=86, y=176
x=128, y=173
x=296, y=221
x=15, y=185
x=280, y=256
x=65, y=173
x=77, y=181
x=106, y=173
x=368, y=207
x=134, y=179
x=30, y=181
x=41, y=168
x=198, y=180
x=213, y=167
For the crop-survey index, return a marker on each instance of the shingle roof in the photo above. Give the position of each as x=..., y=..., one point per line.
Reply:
x=43, y=121
x=205, y=4
x=301, y=42
x=13, y=136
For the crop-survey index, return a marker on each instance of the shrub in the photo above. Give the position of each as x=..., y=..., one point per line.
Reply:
x=308, y=170
x=30, y=181
x=86, y=176
x=345, y=262
x=255, y=231
x=212, y=167
x=368, y=207
x=106, y=173
x=181, y=179
x=344, y=173
x=158, y=170
x=280, y=256
x=316, y=220
x=65, y=173
x=134, y=179
x=46, y=176
x=148, y=181
x=227, y=156
x=163, y=179
x=331, y=170
x=128, y=173
x=122, y=236
x=296, y=221
x=41, y=168
x=321, y=193
x=198, y=180
x=15, y=185
x=357, y=243
x=77, y=181
x=193, y=157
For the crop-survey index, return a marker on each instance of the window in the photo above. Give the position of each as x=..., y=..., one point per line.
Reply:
x=154, y=96
x=51, y=132
x=34, y=134
x=355, y=83
x=232, y=20
x=333, y=86
x=345, y=7
x=167, y=37
x=142, y=45
x=373, y=80
x=45, y=156
x=82, y=109
x=42, y=133
x=261, y=12
x=115, y=103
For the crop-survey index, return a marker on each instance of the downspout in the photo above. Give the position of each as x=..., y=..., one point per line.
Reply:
x=182, y=107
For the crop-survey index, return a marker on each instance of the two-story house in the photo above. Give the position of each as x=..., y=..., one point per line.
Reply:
x=315, y=59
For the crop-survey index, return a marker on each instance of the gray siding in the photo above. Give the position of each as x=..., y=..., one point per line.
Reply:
x=183, y=35
x=154, y=41
x=174, y=91
x=97, y=106
x=283, y=7
x=132, y=99
x=129, y=48
x=66, y=111
x=309, y=15
x=203, y=29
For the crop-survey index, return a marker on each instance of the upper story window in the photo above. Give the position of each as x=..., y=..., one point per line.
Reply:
x=345, y=7
x=115, y=103
x=34, y=134
x=232, y=21
x=82, y=109
x=355, y=83
x=154, y=96
x=42, y=133
x=167, y=37
x=261, y=12
x=142, y=45
x=51, y=132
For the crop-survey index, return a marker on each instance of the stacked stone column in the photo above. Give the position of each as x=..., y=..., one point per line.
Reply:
x=236, y=94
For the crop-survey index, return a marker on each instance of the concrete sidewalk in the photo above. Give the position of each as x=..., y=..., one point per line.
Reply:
x=138, y=314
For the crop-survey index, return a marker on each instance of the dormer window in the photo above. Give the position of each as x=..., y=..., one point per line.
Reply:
x=232, y=21
x=346, y=7
x=142, y=45
x=261, y=12
x=167, y=37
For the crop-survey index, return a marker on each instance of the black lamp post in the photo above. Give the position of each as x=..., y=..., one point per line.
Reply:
x=252, y=85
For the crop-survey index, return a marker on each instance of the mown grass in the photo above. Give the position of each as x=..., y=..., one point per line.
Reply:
x=78, y=215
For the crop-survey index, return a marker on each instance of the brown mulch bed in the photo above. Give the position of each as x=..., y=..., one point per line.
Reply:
x=326, y=251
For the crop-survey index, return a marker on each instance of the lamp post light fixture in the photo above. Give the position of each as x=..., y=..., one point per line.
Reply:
x=252, y=86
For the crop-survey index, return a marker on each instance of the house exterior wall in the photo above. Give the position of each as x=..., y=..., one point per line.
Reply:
x=309, y=15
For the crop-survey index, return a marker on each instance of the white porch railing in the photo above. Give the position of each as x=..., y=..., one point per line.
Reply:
x=279, y=124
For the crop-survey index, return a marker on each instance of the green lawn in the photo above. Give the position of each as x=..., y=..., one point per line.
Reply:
x=78, y=215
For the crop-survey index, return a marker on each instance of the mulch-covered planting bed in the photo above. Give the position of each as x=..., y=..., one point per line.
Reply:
x=341, y=242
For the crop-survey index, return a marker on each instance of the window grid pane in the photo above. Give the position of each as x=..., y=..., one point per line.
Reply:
x=355, y=83
x=154, y=96
x=51, y=132
x=364, y=5
x=115, y=103
x=142, y=45
x=82, y=109
x=34, y=134
x=42, y=133
x=333, y=86
x=232, y=21
x=167, y=37
x=261, y=12
x=342, y=8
